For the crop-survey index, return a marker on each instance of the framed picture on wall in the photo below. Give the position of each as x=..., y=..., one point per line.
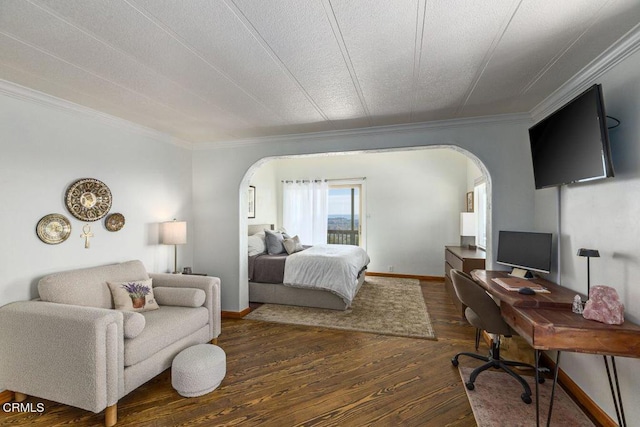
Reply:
x=252, y=201
x=470, y=201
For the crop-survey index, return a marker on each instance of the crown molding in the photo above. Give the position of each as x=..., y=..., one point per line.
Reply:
x=626, y=46
x=374, y=130
x=23, y=93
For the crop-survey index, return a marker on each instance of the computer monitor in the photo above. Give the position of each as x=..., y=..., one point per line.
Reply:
x=525, y=250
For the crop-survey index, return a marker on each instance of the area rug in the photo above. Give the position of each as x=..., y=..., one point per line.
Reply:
x=495, y=402
x=387, y=306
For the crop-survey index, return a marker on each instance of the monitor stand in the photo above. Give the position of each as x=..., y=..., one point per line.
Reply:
x=521, y=273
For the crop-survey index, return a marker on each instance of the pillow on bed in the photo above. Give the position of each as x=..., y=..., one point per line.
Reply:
x=256, y=244
x=292, y=245
x=275, y=241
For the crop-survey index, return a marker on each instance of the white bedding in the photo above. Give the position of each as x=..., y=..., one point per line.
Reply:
x=329, y=267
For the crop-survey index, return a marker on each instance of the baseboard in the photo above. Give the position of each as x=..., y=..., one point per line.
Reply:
x=6, y=396
x=407, y=276
x=235, y=314
x=579, y=395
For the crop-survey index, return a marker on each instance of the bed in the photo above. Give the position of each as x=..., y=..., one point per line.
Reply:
x=322, y=276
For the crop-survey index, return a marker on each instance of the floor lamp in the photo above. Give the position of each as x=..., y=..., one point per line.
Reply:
x=173, y=233
x=589, y=253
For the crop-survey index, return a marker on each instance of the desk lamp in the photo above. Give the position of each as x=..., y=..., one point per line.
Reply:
x=174, y=233
x=589, y=253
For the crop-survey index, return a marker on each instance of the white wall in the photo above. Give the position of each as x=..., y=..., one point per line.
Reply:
x=473, y=173
x=43, y=150
x=412, y=205
x=220, y=180
x=604, y=215
x=267, y=185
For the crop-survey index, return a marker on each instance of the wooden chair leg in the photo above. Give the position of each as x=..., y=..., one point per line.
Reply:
x=111, y=415
x=19, y=397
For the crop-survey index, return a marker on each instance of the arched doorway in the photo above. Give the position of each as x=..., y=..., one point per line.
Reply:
x=365, y=158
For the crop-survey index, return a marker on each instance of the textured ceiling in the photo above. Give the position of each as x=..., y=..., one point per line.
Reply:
x=207, y=71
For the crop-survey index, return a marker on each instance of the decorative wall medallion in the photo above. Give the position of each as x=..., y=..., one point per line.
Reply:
x=114, y=222
x=53, y=229
x=88, y=199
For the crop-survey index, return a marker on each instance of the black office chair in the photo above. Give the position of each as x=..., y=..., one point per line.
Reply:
x=483, y=313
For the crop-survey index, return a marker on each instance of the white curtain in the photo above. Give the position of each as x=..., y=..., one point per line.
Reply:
x=305, y=210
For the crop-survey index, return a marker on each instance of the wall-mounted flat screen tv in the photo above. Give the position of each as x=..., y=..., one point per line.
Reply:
x=572, y=144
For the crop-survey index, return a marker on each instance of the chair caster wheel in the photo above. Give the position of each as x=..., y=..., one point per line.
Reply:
x=454, y=362
x=526, y=398
x=470, y=386
x=540, y=380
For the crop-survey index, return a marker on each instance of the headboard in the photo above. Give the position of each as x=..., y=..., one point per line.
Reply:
x=255, y=228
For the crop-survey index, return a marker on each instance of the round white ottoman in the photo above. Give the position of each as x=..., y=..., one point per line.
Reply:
x=198, y=370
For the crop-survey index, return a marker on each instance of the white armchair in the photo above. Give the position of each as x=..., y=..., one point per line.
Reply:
x=72, y=347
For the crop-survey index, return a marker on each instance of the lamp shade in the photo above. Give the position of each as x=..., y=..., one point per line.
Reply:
x=173, y=233
x=592, y=253
x=467, y=224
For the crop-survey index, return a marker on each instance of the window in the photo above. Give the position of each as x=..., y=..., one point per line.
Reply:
x=324, y=211
x=344, y=222
x=480, y=196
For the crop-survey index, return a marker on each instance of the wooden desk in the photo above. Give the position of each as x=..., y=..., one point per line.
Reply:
x=562, y=330
x=546, y=322
x=558, y=296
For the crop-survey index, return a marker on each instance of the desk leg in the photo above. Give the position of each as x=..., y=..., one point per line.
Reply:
x=553, y=388
x=617, y=398
x=537, y=373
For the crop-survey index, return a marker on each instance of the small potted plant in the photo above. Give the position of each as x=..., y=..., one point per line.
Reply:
x=137, y=292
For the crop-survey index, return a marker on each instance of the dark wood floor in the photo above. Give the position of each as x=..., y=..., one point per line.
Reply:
x=283, y=375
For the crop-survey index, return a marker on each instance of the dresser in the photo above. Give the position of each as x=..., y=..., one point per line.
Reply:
x=465, y=259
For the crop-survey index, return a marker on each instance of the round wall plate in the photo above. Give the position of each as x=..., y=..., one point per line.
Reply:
x=53, y=229
x=88, y=199
x=114, y=222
